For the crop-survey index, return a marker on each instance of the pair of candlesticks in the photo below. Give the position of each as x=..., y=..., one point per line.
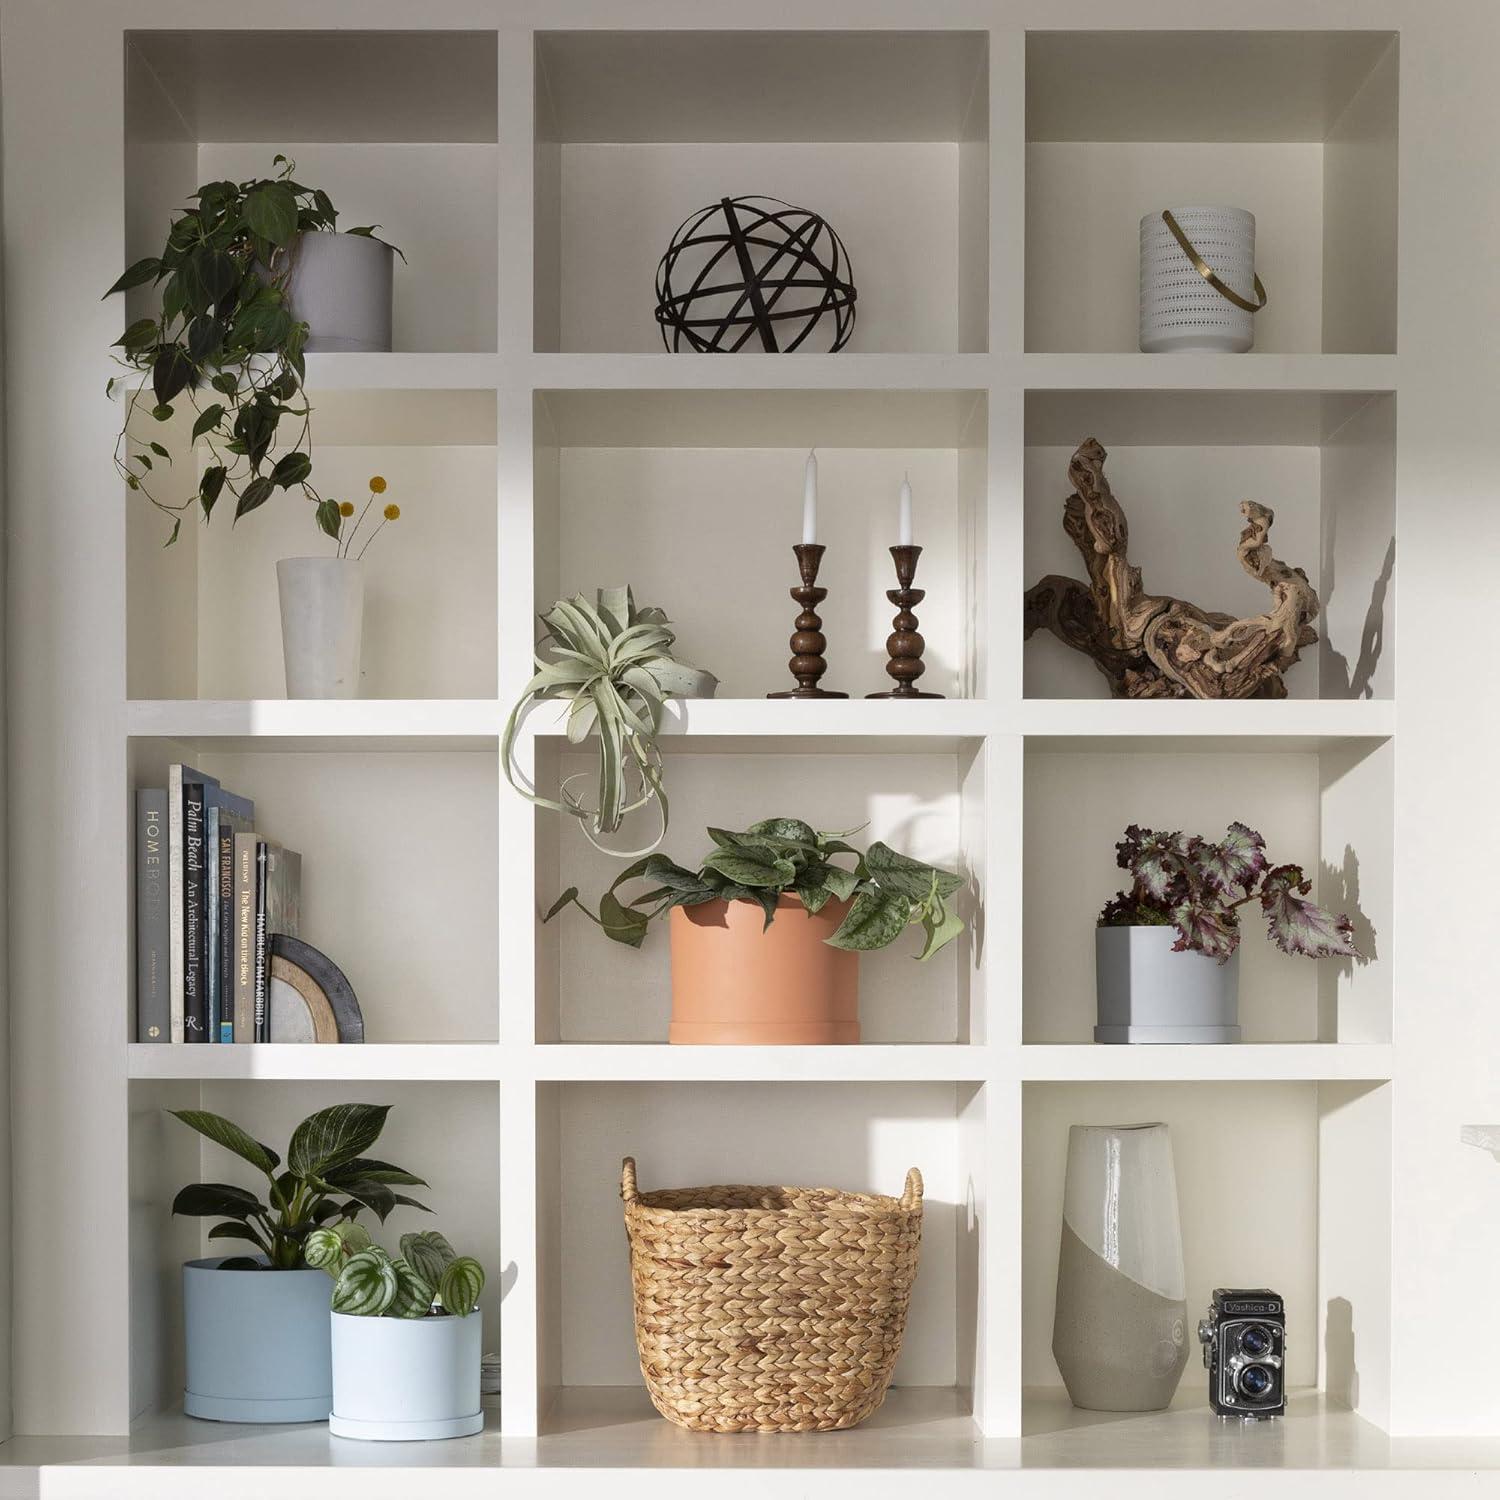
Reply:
x=904, y=645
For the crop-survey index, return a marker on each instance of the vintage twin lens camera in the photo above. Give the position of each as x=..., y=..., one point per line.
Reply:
x=1244, y=1352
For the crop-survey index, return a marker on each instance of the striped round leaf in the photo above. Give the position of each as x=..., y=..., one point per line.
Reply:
x=461, y=1285
x=366, y=1286
x=413, y=1294
x=355, y=1236
x=427, y=1253
x=323, y=1250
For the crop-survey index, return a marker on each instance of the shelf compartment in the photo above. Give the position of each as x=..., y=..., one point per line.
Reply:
x=1180, y=463
x=858, y=1136
x=929, y=804
x=1298, y=127
x=648, y=487
x=203, y=616
x=1279, y=1184
x=399, y=878
x=424, y=1122
x=1329, y=810
x=883, y=133
x=400, y=128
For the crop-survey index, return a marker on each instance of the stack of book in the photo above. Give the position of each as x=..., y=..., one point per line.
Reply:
x=210, y=893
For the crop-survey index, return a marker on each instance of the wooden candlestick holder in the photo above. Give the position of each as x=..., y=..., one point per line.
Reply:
x=808, y=642
x=904, y=645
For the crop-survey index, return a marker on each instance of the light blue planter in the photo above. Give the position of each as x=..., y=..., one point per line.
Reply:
x=257, y=1344
x=406, y=1379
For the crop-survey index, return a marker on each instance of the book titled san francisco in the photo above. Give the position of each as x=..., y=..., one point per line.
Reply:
x=278, y=910
x=153, y=1007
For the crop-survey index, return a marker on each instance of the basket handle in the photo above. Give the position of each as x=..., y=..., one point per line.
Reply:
x=1207, y=272
x=627, y=1180
x=912, y=1197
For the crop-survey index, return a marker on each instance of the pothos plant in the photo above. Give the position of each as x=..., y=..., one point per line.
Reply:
x=1199, y=887
x=226, y=323
x=613, y=663
x=426, y=1279
x=327, y=1180
x=886, y=891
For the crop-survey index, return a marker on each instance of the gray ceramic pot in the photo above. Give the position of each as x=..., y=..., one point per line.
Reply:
x=340, y=286
x=257, y=1344
x=1148, y=993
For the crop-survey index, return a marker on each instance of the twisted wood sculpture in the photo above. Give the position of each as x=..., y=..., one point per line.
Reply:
x=1154, y=646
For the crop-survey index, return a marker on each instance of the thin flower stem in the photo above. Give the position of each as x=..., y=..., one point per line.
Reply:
x=354, y=530
x=371, y=538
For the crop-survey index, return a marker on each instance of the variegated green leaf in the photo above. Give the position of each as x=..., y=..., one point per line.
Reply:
x=427, y=1253
x=324, y=1250
x=335, y=1136
x=366, y=1286
x=460, y=1286
x=414, y=1296
x=227, y=1134
x=876, y=920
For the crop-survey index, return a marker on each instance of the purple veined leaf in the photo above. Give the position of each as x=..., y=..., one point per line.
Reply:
x=1299, y=926
x=1157, y=862
x=1205, y=928
x=1233, y=864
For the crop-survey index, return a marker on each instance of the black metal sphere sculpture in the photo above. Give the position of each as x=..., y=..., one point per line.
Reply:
x=754, y=267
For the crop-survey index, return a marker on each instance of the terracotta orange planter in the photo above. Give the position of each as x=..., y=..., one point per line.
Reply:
x=733, y=983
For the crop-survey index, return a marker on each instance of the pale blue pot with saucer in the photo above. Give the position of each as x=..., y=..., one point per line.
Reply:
x=257, y=1344
x=405, y=1379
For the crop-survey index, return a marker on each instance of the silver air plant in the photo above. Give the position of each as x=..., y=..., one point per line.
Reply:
x=613, y=663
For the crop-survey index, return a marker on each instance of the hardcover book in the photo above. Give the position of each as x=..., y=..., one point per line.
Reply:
x=153, y=1011
x=245, y=845
x=278, y=902
x=194, y=916
x=178, y=777
x=225, y=814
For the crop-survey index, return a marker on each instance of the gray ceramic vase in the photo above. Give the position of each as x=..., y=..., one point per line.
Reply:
x=257, y=1344
x=1148, y=993
x=1120, y=1331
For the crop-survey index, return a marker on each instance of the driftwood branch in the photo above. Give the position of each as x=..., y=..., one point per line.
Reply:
x=1154, y=646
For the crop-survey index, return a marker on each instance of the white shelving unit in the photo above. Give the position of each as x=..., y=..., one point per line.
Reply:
x=986, y=165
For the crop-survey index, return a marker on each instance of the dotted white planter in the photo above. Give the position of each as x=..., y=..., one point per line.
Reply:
x=406, y=1379
x=1179, y=309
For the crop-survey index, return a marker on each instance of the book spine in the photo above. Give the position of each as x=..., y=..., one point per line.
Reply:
x=153, y=1019
x=262, y=950
x=244, y=937
x=225, y=955
x=175, y=885
x=212, y=823
x=194, y=988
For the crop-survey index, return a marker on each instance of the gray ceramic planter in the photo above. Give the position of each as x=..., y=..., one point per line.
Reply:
x=340, y=286
x=1147, y=993
x=257, y=1344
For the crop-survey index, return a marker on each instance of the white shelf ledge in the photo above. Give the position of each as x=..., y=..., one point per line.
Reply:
x=387, y=1061
x=321, y=724
x=1287, y=724
x=608, y=1439
x=653, y=1062
x=1248, y=1062
x=1207, y=372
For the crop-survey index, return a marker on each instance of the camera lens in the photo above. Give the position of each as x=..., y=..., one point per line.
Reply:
x=1255, y=1340
x=1255, y=1382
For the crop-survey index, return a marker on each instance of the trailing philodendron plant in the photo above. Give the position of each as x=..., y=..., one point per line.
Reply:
x=327, y=1181
x=427, y=1279
x=226, y=323
x=1184, y=881
x=886, y=891
x=613, y=663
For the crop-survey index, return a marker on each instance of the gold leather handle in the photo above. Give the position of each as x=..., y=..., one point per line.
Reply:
x=1207, y=272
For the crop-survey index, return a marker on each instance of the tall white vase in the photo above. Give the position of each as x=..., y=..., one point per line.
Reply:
x=322, y=625
x=1120, y=1332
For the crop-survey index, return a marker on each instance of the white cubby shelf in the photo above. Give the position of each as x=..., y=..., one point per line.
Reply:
x=986, y=166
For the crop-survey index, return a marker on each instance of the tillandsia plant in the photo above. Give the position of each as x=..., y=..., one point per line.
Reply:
x=226, y=323
x=1184, y=881
x=427, y=1279
x=887, y=891
x=327, y=1181
x=614, y=664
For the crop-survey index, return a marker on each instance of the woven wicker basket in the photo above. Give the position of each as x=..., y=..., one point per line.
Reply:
x=770, y=1309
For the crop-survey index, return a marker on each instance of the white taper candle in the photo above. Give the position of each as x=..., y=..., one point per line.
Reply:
x=810, y=499
x=904, y=527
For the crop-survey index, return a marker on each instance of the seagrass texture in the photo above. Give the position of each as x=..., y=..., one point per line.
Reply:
x=770, y=1309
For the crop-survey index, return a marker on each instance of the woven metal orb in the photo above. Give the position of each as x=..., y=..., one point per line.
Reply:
x=754, y=268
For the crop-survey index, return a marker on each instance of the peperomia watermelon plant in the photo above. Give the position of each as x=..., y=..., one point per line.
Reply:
x=887, y=891
x=327, y=1180
x=426, y=1279
x=1184, y=881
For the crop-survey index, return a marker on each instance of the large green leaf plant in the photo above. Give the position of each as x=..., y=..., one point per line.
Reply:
x=327, y=1181
x=613, y=663
x=886, y=891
